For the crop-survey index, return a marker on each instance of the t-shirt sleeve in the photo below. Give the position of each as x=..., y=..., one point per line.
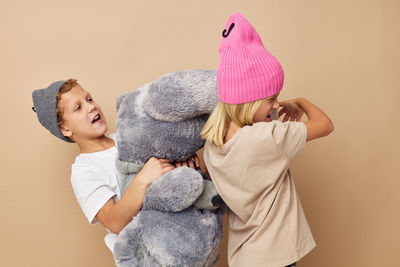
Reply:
x=289, y=136
x=91, y=190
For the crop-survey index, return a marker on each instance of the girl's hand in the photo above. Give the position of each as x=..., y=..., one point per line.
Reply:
x=192, y=162
x=291, y=109
x=153, y=169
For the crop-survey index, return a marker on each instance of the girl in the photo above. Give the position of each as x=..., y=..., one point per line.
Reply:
x=248, y=152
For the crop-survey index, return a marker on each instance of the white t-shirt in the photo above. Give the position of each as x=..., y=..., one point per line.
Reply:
x=94, y=179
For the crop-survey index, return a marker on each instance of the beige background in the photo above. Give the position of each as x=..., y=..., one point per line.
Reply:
x=341, y=55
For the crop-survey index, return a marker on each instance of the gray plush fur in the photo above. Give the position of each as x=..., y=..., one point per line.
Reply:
x=179, y=224
x=155, y=238
x=182, y=103
x=162, y=195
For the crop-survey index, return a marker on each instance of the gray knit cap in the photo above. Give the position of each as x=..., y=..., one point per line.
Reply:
x=44, y=104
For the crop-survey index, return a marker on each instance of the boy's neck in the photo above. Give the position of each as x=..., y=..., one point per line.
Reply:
x=96, y=145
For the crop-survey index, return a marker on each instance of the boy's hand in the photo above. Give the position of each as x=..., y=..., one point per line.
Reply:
x=192, y=162
x=153, y=169
x=291, y=109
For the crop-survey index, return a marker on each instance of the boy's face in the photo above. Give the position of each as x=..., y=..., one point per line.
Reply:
x=82, y=116
x=268, y=105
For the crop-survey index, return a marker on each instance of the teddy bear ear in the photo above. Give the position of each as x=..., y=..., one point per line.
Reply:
x=120, y=99
x=182, y=95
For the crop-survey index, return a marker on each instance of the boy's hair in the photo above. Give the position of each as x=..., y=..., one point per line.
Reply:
x=217, y=124
x=68, y=85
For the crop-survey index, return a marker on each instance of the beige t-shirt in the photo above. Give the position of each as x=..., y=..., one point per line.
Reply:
x=266, y=223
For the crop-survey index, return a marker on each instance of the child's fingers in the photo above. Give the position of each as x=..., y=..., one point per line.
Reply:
x=286, y=118
x=196, y=160
x=280, y=116
x=167, y=169
x=281, y=112
x=191, y=163
x=165, y=165
x=184, y=163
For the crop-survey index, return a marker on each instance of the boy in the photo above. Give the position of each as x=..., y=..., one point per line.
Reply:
x=70, y=113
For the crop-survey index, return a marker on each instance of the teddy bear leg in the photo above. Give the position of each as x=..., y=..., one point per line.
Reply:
x=188, y=238
x=129, y=249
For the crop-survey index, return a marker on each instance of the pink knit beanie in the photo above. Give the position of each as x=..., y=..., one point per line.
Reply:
x=247, y=71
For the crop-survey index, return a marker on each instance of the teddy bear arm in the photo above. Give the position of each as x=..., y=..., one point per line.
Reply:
x=174, y=191
x=209, y=198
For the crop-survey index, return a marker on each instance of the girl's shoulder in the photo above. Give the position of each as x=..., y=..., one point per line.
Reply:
x=288, y=137
x=272, y=126
x=260, y=127
x=274, y=131
x=259, y=132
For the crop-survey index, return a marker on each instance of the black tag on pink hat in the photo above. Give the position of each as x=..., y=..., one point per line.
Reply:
x=229, y=31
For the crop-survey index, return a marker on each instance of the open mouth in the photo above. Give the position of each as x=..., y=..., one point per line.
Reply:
x=96, y=118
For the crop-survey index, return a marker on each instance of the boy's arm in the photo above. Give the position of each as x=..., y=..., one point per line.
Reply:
x=115, y=216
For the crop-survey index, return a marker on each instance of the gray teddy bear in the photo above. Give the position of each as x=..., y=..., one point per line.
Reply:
x=180, y=223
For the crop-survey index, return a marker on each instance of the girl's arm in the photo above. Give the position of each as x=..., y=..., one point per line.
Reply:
x=318, y=124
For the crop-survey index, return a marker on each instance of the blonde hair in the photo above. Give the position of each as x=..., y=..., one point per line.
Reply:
x=217, y=124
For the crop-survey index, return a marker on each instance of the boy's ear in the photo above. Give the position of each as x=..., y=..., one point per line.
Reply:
x=65, y=131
